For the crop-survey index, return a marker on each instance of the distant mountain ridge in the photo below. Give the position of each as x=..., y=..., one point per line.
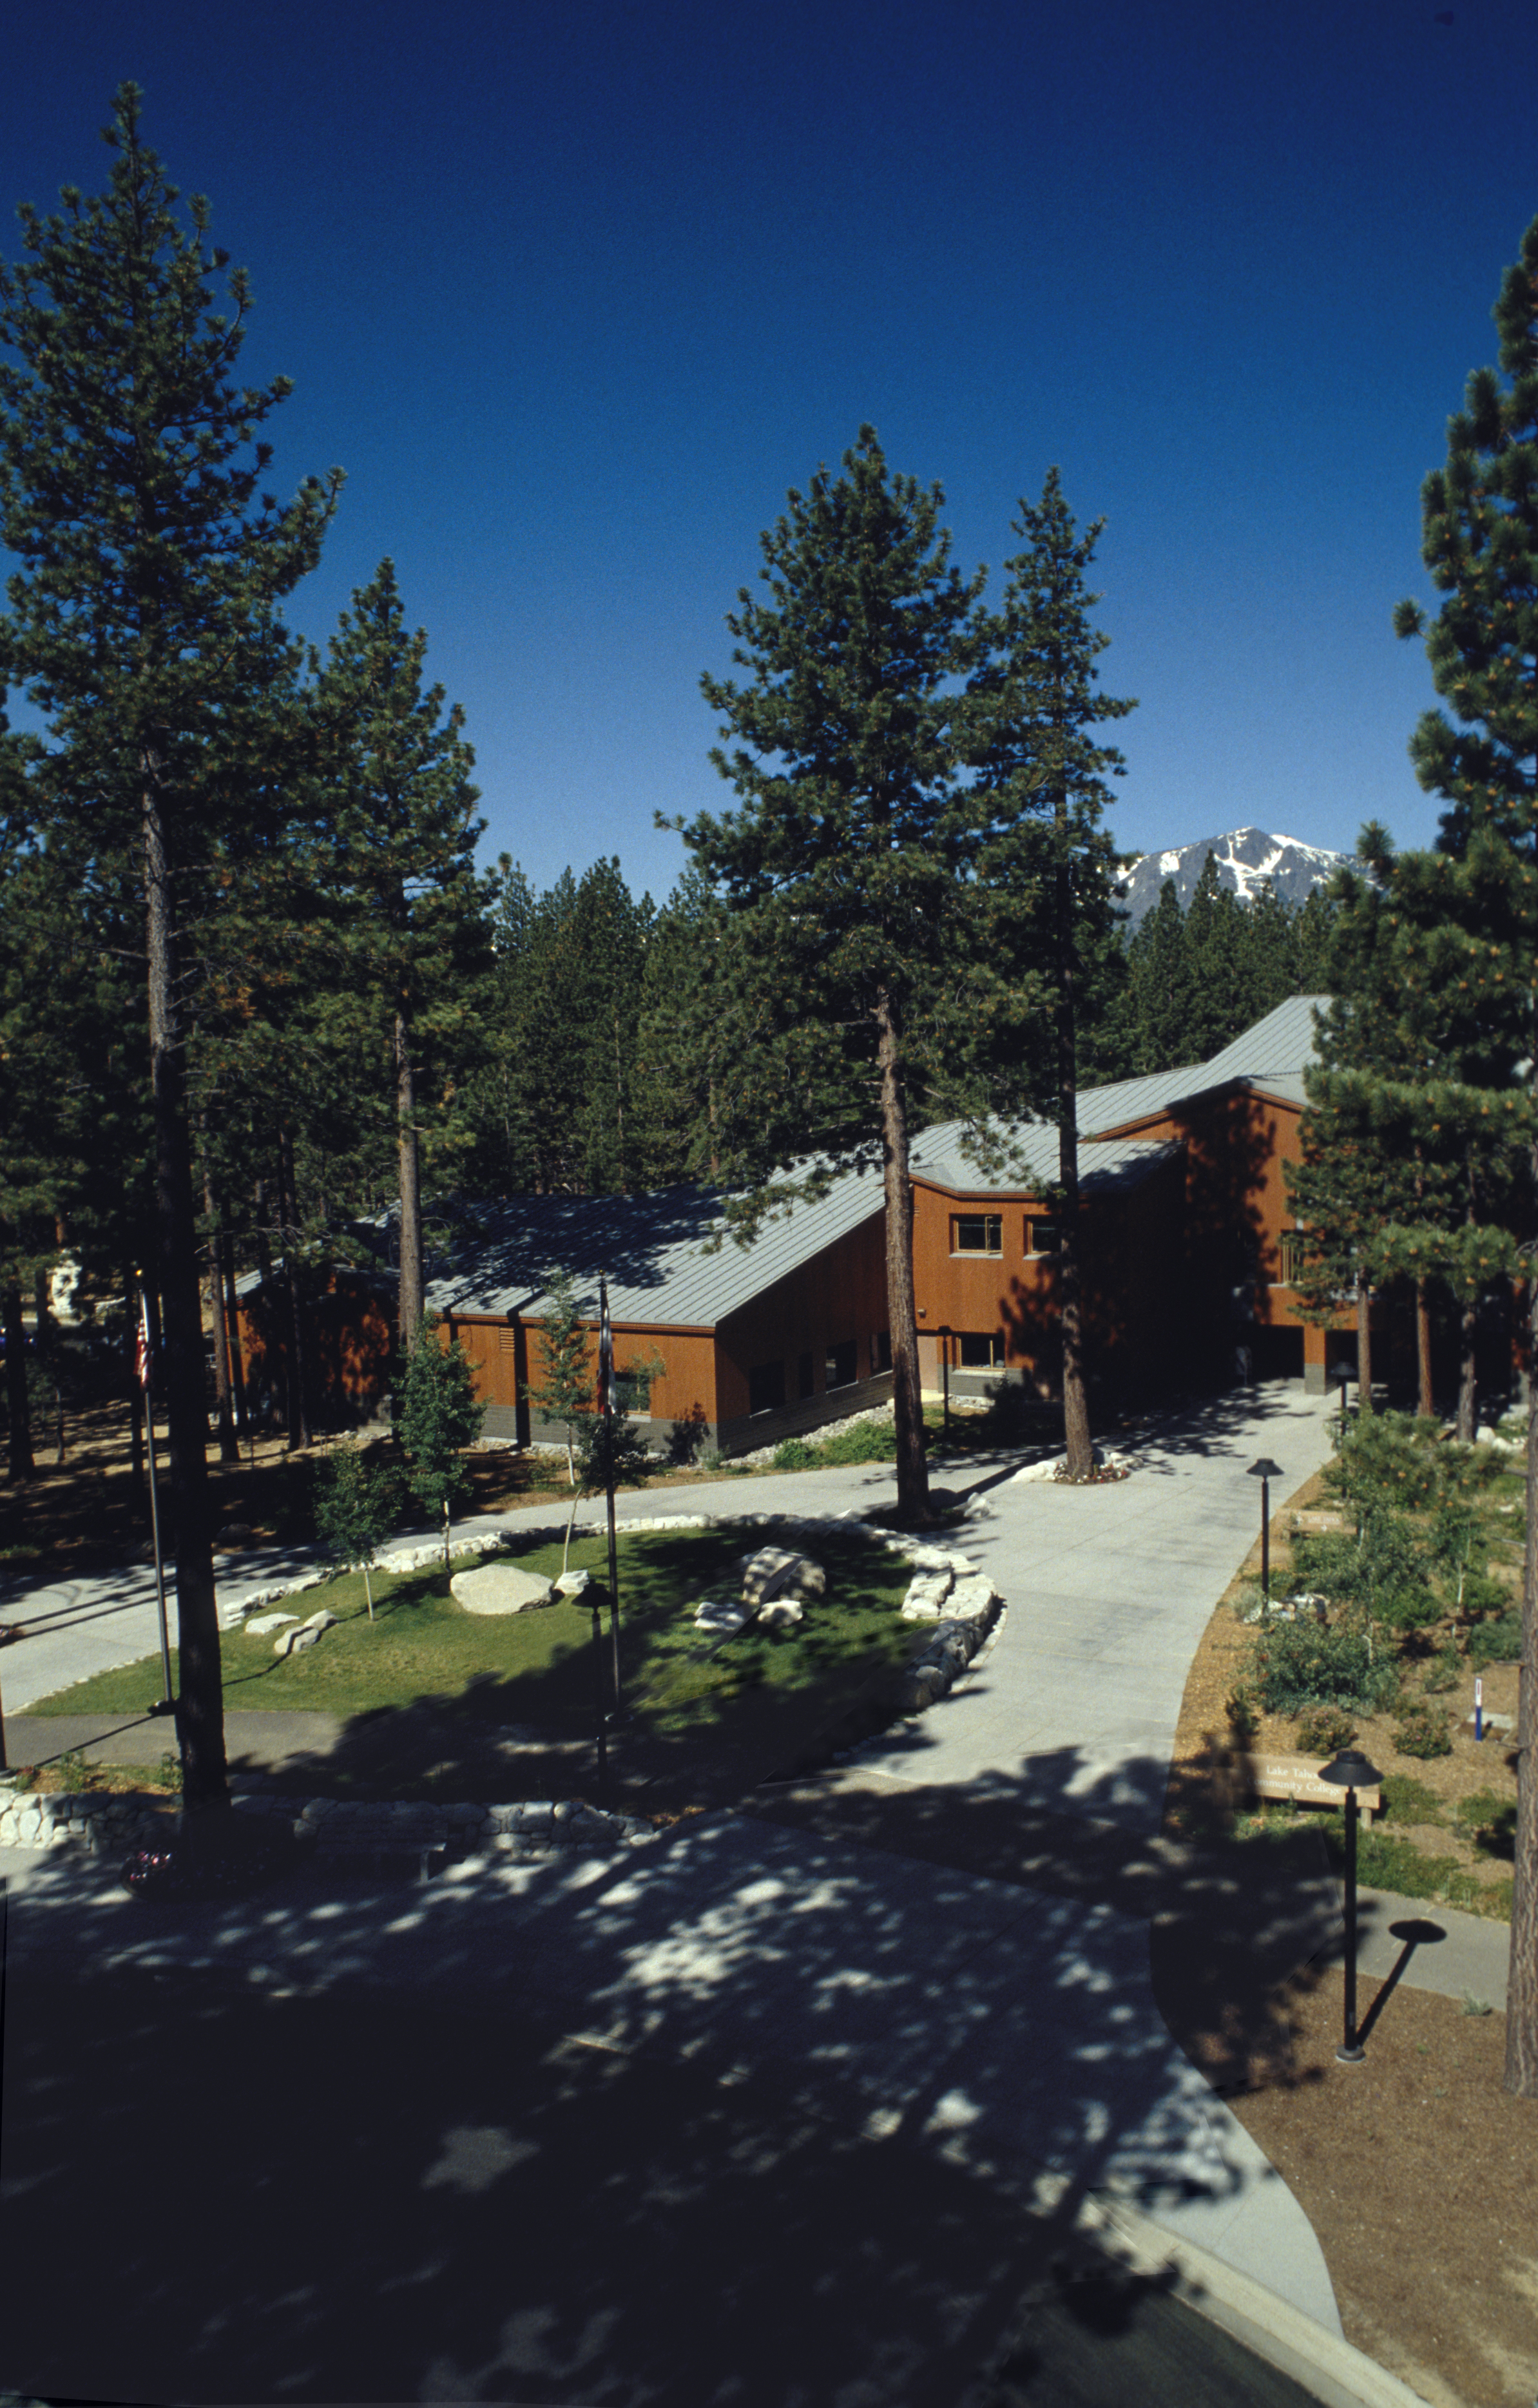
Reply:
x=1247, y=860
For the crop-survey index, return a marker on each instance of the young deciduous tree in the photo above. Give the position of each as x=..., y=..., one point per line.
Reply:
x=842, y=866
x=1479, y=519
x=437, y=1418
x=142, y=621
x=564, y=1393
x=355, y=1512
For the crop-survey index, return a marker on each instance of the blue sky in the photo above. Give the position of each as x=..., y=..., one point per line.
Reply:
x=575, y=293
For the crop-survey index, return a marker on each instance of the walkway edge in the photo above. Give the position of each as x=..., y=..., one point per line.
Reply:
x=1331, y=2369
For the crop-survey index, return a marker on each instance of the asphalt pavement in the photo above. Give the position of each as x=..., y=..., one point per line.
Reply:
x=1010, y=2033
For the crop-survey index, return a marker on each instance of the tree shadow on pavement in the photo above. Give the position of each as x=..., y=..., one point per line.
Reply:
x=1235, y=1930
x=405, y=2198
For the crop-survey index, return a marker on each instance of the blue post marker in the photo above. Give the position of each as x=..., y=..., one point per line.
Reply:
x=1479, y=1709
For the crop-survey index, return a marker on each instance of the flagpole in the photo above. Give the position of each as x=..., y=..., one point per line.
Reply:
x=144, y=1362
x=606, y=1372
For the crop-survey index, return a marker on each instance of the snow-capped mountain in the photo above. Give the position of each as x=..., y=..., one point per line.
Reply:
x=1247, y=860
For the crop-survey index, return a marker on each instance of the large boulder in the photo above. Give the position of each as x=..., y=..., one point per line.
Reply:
x=776, y=1572
x=500, y=1588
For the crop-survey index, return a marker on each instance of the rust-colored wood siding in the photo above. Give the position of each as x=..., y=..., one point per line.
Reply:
x=348, y=1337
x=839, y=1297
x=1127, y=1246
x=506, y=1360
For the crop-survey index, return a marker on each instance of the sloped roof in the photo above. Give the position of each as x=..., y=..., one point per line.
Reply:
x=656, y=1248
x=1104, y=1164
x=1278, y=1048
x=653, y=1249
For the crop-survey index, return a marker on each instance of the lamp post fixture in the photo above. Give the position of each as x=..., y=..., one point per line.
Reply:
x=1265, y=1471
x=1342, y=1373
x=945, y=1333
x=1350, y=1770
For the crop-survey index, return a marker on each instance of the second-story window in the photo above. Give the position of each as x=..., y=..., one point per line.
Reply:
x=977, y=1233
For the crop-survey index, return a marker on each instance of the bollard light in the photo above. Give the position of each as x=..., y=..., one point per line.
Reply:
x=1351, y=1770
x=1265, y=1471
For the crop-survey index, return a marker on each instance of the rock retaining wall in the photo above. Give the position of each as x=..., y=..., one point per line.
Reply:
x=946, y=1590
x=103, y=1823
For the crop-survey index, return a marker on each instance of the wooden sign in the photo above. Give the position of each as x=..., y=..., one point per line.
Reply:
x=1297, y=1778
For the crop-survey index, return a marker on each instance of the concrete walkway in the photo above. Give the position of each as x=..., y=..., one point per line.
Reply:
x=972, y=2013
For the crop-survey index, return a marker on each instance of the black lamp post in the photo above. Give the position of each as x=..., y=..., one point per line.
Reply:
x=1350, y=1770
x=1265, y=1471
x=945, y=1333
x=1342, y=1373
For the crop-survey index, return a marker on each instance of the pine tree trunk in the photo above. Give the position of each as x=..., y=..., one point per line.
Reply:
x=43, y=1323
x=410, y=1187
x=232, y=1324
x=907, y=1399
x=200, y=1705
x=19, y=1463
x=299, y=1384
x=1424, y=1403
x=136, y=1394
x=229, y=1446
x=276, y=1357
x=1364, y=1346
x=1521, y=2074
x=1468, y=1334
x=1078, y=1450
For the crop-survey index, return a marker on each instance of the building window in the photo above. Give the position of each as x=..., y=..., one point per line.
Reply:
x=804, y=1386
x=842, y=1367
x=981, y=1350
x=977, y=1233
x=1294, y=1252
x=766, y=1387
x=633, y=1393
x=1040, y=1237
x=881, y=1351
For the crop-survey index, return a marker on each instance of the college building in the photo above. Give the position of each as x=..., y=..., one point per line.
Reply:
x=1187, y=1246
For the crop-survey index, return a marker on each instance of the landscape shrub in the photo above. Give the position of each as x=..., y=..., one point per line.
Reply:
x=1323, y=1729
x=1496, y=1642
x=1244, y=1713
x=1383, y=1568
x=1443, y=1672
x=1405, y=1800
x=862, y=1442
x=794, y=1454
x=1489, y=1821
x=1421, y=1729
x=1300, y=1664
x=1391, y=1460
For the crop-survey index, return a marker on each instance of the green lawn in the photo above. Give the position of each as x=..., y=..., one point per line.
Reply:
x=536, y=1668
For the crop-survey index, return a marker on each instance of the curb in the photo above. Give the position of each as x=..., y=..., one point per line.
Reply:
x=1330, y=2368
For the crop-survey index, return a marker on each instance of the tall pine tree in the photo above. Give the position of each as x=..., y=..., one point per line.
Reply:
x=402, y=809
x=1479, y=522
x=150, y=564
x=1046, y=867
x=841, y=866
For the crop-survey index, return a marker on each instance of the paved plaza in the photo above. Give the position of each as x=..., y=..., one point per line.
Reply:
x=1008, y=2032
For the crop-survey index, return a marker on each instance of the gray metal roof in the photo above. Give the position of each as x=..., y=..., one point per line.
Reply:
x=653, y=1248
x=1104, y=1164
x=1279, y=1047
x=656, y=1249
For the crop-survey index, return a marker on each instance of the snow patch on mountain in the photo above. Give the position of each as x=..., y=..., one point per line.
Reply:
x=1248, y=860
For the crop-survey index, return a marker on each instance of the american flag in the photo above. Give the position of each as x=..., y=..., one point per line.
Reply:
x=141, y=1344
x=605, y=1349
